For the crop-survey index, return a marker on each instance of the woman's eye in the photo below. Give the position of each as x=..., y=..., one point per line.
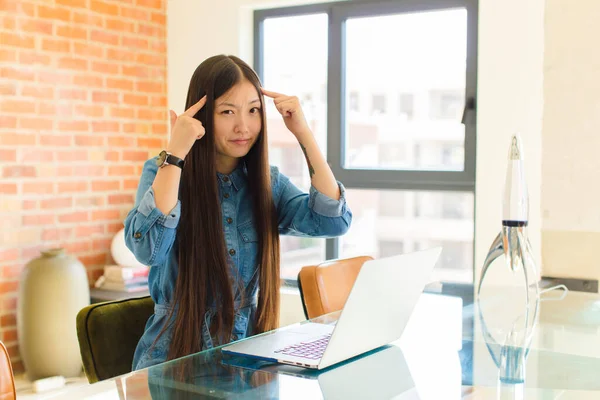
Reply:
x=255, y=110
x=228, y=112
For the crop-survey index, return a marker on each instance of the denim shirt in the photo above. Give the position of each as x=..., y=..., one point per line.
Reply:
x=151, y=236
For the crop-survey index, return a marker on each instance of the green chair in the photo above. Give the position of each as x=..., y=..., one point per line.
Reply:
x=108, y=333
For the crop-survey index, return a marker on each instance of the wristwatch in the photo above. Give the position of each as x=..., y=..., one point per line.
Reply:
x=165, y=159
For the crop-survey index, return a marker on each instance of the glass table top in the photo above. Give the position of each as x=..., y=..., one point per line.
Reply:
x=452, y=348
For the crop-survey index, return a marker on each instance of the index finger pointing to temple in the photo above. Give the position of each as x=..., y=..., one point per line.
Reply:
x=190, y=112
x=273, y=95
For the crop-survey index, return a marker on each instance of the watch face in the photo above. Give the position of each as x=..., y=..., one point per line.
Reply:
x=161, y=158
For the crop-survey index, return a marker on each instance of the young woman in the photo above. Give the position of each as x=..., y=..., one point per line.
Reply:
x=209, y=212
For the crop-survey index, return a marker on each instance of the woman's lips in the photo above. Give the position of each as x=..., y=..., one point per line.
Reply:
x=241, y=142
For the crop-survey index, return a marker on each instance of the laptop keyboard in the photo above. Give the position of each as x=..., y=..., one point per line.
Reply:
x=312, y=350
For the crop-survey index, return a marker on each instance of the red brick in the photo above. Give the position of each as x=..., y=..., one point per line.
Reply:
x=62, y=14
x=36, y=124
x=150, y=59
x=87, y=80
x=120, y=199
x=64, y=202
x=89, y=140
x=134, y=43
x=56, y=110
x=124, y=84
x=73, y=94
x=135, y=156
x=160, y=129
x=105, y=68
x=73, y=3
x=84, y=110
x=101, y=245
x=8, y=155
x=78, y=247
x=17, y=6
x=121, y=170
x=38, y=187
x=19, y=171
x=10, y=304
x=120, y=25
x=9, y=335
x=56, y=140
x=38, y=92
x=104, y=37
x=89, y=230
x=34, y=58
x=105, y=126
x=105, y=186
x=8, y=319
x=73, y=63
x=36, y=26
x=74, y=126
x=72, y=187
x=96, y=201
x=150, y=87
x=104, y=7
x=121, y=112
x=29, y=204
x=105, y=97
x=118, y=55
x=159, y=18
x=112, y=156
x=72, y=155
x=8, y=89
x=89, y=50
x=72, y=32
x=149, y=3
x=17, y=73
x=89, y=170
x=30, y=155
x=130, y=184
x=135, y=100
x=114, y=228
x=88, y=19
x=8, y=188
x=135, y=13
x=93, y=259
x=79, y=216
x=28, y=253
x=56, y=234
x=8, y=55
x=135, y=71
x=9, y=255
x=150, y=143
x=105, y=215
x=38, y=219
x=150, y=30
x=18, y=106
x=55, y=77
x=8, y=122
x=17, y=40
x=58, y=45
x=121, y=141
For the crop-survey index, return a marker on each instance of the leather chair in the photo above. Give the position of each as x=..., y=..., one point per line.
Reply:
x=7, y=379
x=108, y=334
x=324, y=288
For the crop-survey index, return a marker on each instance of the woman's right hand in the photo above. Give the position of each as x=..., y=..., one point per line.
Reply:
x=185, y=130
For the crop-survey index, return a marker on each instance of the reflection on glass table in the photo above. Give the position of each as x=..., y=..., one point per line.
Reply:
x=443, y=354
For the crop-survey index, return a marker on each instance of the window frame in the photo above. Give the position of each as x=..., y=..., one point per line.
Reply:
x=416, y=180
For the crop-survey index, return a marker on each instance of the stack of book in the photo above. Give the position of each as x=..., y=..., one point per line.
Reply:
x=124, y=279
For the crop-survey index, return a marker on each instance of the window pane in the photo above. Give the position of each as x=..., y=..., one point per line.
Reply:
x=295, y=63
x=404, y=102
x=389, y=222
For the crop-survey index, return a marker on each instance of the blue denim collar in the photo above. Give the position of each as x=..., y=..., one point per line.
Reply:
x=237, y=177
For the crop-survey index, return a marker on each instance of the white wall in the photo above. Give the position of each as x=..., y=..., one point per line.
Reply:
x=571, y=165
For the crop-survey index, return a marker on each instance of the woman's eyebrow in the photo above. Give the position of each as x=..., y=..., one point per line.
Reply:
x=235, y=106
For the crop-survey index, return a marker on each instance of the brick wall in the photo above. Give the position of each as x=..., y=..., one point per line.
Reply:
x=82, y=105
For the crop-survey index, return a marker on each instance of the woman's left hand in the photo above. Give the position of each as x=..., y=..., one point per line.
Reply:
x=289, y=107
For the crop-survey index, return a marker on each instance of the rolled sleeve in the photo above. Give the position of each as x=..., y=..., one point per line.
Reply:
x=325, y=205
x=147, y=208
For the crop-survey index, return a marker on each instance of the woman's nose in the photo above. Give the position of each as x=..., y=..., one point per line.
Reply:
x=241, y=125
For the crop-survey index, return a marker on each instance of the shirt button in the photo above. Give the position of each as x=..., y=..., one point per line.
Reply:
x=226, y=195
x=137, y=235
x=232, y=252
x=225, y=179
x=229, y=220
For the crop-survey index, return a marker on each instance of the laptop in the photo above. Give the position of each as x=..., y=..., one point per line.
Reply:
x=376, y=312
